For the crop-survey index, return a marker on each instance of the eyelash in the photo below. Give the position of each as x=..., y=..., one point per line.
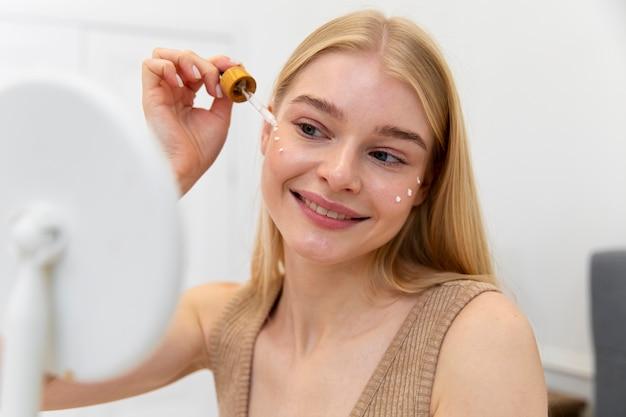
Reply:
x=301, y=125
x=399, y=160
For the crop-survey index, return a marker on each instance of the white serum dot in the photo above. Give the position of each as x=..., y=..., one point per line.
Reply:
x=419, y=181
x=281, y=150
x=276, y=137
x=398, y=199
x=409, y=192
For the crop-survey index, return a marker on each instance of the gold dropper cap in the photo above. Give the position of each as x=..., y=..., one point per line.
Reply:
x=232, y=82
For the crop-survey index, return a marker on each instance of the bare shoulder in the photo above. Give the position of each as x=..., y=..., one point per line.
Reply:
x=212, y=295
x=208, y=302
x=489, y=364
x=211, y=298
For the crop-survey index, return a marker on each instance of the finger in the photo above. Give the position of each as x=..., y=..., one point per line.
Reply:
x=156, y=70
x=222, y=62
x=185, y=64
x=222, y=108
x=194, y=69
x=211, y=70
x=191, y=64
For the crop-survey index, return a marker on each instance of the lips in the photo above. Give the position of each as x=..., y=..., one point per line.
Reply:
x=328, y=209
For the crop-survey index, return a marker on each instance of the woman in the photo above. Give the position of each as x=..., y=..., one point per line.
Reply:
x=372, y=290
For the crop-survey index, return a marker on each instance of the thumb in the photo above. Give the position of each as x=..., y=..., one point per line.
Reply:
x=222, y=108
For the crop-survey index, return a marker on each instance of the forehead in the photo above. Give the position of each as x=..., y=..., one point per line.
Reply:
x=359, y=85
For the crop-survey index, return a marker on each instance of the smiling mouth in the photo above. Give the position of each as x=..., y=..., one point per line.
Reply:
x=322, y=211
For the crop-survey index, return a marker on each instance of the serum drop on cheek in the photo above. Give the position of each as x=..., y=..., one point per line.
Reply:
x=398, y=199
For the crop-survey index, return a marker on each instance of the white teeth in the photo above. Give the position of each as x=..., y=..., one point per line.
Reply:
x=324, y=211
x=321, y=210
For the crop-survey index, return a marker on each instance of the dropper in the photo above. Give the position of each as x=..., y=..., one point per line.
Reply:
x=264, y=111
x=239, y=85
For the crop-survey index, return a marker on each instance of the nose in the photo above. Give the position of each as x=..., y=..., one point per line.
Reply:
x=340, y=169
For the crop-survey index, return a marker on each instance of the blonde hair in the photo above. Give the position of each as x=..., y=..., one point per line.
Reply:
x=444, y=233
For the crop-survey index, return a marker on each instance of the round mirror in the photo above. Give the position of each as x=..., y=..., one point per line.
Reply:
x=68, y=145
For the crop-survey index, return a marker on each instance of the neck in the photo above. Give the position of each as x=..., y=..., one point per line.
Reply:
x=325, y=304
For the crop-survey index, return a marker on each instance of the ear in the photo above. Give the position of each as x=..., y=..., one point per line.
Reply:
x=266, y=133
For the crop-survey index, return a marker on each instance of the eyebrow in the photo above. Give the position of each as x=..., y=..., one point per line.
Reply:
x=321, y=105
x=395, y=132
x=388, y=130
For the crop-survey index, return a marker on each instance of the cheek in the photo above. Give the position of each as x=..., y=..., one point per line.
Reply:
x=395, y=195
x=284, y=160
x=286, y=156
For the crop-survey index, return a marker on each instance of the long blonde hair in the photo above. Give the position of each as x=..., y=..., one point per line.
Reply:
x=444, y=233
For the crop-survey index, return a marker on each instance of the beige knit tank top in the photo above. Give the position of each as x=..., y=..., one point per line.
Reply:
x=402, y=381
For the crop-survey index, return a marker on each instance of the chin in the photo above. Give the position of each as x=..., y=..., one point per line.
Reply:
x=323, y=251
x=313, y=250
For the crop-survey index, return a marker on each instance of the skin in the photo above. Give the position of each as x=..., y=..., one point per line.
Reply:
x=327, y=333
x=325, y=325
x=346, y=161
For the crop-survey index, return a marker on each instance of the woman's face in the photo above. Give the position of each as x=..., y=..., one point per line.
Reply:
x=341, y=173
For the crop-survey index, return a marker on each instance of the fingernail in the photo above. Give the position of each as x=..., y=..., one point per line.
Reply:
x=196, y=72
x=180, y=80
x=218, y=91
x=234, y=61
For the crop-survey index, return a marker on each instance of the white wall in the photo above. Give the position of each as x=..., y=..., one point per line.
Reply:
x=543, y=85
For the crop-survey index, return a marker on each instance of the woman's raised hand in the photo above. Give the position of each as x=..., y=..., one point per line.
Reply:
x=191, y=136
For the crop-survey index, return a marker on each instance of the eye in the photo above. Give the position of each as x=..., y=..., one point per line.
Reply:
x=386, y=158
x=309, y=130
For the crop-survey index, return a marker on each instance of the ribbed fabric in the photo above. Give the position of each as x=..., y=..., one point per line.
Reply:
x=401, y=384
